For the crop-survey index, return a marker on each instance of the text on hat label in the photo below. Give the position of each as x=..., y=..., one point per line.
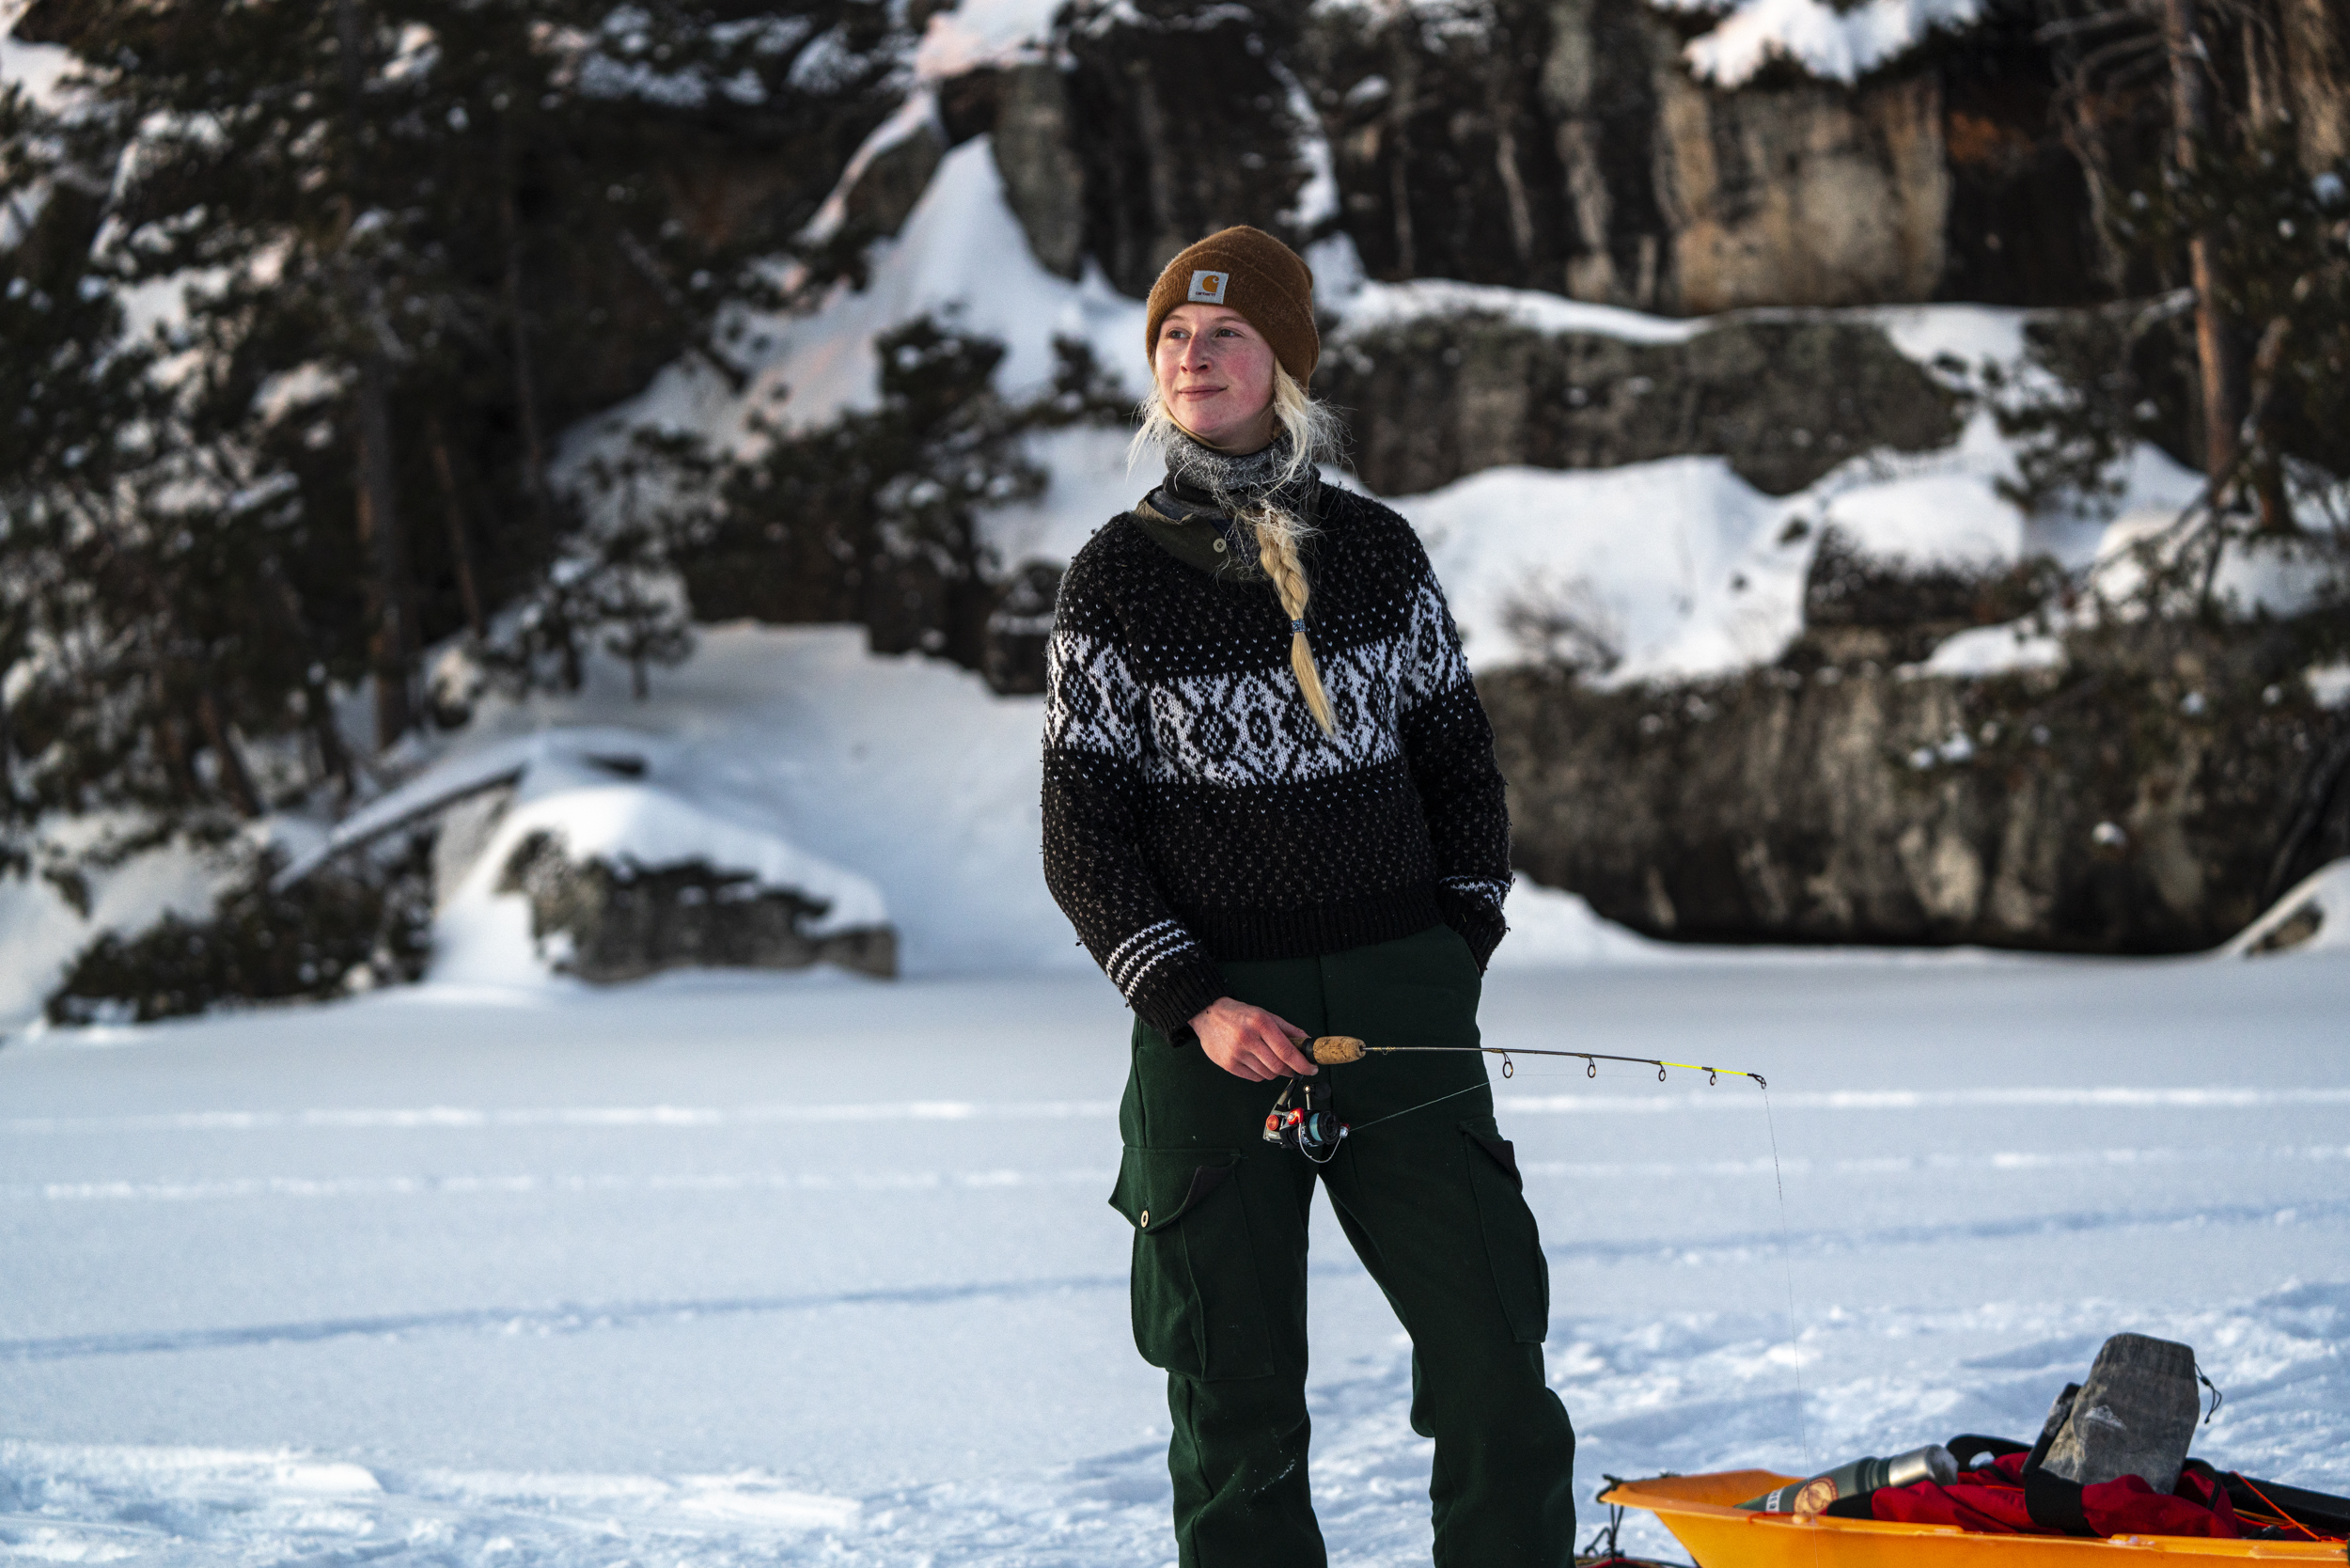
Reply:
x=1208, y=288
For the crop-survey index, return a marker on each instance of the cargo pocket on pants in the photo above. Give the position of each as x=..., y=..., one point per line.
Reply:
x=1197, y=1305
x=1513, y=1246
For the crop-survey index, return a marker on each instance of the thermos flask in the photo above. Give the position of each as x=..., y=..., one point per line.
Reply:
x=1858, y=1478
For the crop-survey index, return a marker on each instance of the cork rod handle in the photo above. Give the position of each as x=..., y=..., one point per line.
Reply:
x=1336, y=1050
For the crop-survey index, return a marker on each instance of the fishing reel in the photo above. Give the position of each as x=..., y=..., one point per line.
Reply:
x=1302, y=1120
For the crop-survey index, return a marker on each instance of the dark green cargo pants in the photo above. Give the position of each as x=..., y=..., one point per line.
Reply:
x=1430, y=1202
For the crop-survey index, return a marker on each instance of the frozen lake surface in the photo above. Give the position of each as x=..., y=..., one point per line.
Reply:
x=813, y=1269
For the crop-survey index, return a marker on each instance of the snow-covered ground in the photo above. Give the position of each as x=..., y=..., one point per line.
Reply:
x=816, y=1269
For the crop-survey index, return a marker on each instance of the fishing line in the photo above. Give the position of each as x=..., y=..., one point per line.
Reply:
x=1425, y=1103
x=1422, y=1105
x=1787, y=1265
x=1340, y=1050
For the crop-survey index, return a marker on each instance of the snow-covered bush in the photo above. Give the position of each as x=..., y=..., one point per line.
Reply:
x=349, y=927
x=874, y=517
x=2095, y=385
x=2092, y=387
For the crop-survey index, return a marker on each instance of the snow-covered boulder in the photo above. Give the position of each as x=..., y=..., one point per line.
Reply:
x=599, y=853
x=625, y=881
x=2314, y=918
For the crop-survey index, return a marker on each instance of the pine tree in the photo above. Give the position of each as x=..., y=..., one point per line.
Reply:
x=382, y=251
x=2201, y=182
x=114, y=544
x=874, y=518
x=370, y=209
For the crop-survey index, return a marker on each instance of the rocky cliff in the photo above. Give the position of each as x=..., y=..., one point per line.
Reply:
x=1569, y=146
x=1430, y=400
x=2153, y=797
x=1562, y=144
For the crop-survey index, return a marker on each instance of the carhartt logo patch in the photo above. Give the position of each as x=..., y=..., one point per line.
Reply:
x=1208, y=288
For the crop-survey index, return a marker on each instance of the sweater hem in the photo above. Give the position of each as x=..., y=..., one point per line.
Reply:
x=1254, y=936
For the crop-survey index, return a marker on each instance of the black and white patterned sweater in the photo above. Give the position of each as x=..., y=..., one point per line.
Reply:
x=1193, y=810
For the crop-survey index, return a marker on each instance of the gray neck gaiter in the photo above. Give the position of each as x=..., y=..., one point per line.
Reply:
x=1233, y=482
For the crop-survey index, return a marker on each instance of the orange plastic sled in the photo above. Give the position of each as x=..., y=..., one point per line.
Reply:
x=1702, y=1511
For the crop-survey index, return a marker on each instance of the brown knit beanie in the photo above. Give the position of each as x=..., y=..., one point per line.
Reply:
x=1247, y=271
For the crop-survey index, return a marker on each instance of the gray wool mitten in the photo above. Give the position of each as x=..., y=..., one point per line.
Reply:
x=2134, y=1417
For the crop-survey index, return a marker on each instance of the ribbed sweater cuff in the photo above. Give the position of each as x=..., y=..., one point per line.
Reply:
x=1479, y=924
x=1174, y=994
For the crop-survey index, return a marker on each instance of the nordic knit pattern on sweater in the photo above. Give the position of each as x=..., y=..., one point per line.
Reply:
x=1193, y=810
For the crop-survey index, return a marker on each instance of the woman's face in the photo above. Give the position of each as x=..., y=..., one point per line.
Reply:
x=1215, y=373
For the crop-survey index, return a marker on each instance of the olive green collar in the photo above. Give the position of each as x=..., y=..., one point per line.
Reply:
x=1196, y=541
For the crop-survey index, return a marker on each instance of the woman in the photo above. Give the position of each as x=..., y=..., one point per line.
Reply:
x=1272, y=812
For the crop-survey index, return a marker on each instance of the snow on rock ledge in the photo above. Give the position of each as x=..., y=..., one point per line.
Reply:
x=960, y=256
x=2314, y=918
x=1841, y=43
x=590, y=862
x=1550, y=929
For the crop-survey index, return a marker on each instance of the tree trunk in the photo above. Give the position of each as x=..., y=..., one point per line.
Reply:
x=2315, y=45
x=391, y=599
x=1503, y=101
x=525, y=384
x=1399, y=150
x=2268, y=479
x=459, y=541
x=318, y=701
x=318, y=707
x=236, y=779
x=171, y=746
x=1513, y=188
x=8, y=758
x=2220, y=358
x=390, y=621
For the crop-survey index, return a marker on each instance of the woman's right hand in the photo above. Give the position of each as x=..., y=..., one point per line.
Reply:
x=1250, y=1042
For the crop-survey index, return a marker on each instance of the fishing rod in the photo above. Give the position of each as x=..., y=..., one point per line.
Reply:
x=1303, y=1119
x=1337, y=1050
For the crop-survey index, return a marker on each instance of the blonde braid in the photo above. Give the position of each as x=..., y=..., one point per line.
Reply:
x=1277, y=552
x=1313, y=433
